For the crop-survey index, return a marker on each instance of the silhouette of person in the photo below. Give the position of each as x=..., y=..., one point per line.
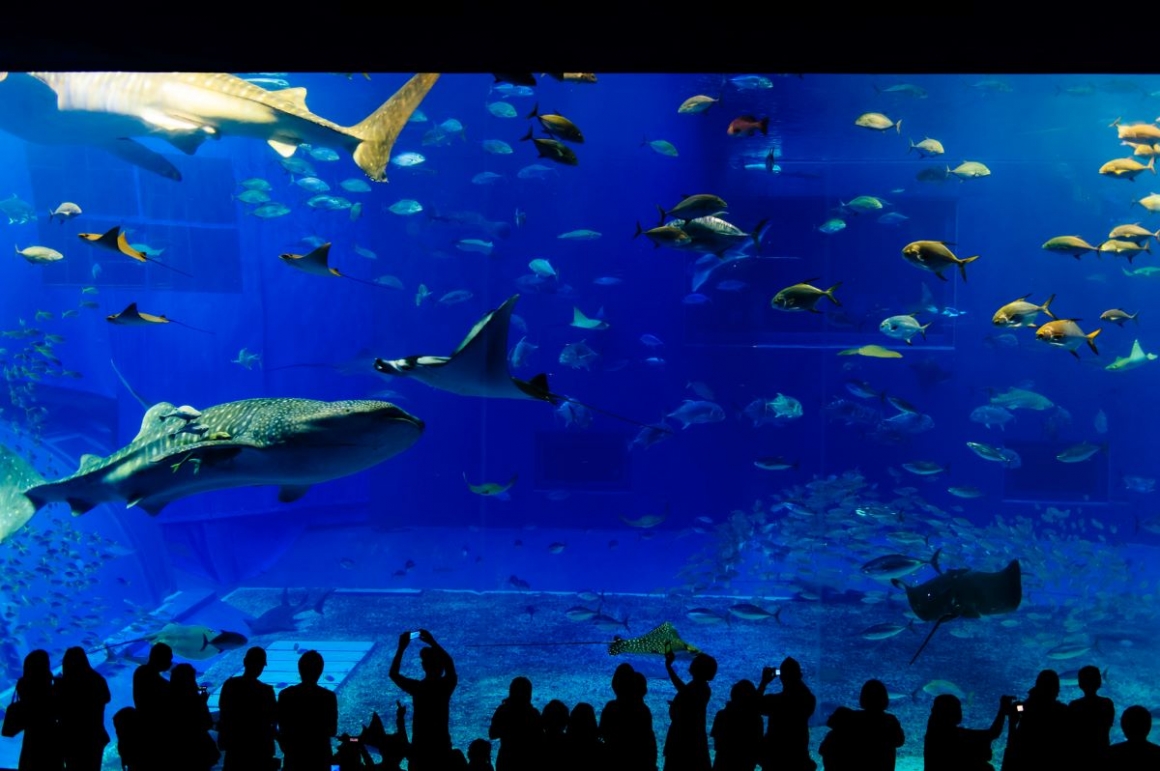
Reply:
x=1091, y=718
x=687, y=742
x=479, y=755
x=393, y=747
x=41, y=748
x=307, y=718
x=555, y=721
x=626, y=723
x=82, y=693
x=519, y=727
x=430, y=702
x=737, y=730
x=786, y=746
x=865, y=739
x=248, y=714
x=151, y=695
x=1037, y=733
x=352, y=754
x=583, y=749
x=191, y=747
x=950, y=747
x=1135, y=753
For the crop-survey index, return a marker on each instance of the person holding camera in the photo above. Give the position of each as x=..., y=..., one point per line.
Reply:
x=191, y=748
x=431, y=701
x=787, y=737
x=1037, y=729
x=950, y=747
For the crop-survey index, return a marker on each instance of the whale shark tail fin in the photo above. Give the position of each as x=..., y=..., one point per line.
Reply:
x=379, y=130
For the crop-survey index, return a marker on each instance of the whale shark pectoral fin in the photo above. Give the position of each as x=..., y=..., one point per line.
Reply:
x=152, y=508
x=139, y=155
x=284, y=149
x=291, y=493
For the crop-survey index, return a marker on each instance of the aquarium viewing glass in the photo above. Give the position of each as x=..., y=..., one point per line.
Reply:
x=542, y=365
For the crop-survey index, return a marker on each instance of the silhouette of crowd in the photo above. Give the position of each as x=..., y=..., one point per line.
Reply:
x=169, y=727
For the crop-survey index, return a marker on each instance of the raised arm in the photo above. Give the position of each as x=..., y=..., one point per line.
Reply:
x=397, y=662
x=670, y=657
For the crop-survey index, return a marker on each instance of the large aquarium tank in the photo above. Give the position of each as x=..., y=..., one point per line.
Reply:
x=572, y=368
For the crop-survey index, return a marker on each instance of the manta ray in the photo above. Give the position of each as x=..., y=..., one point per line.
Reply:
x=107, y=109
x=964, y=593
x=291, y=443
x=479, y=366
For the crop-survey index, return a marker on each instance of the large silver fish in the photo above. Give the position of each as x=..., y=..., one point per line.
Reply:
x=291, y=443
x=107, y=109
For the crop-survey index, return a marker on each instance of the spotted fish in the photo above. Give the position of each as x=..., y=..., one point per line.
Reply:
x=292, y=443
x=16, y=474
x=663, y=638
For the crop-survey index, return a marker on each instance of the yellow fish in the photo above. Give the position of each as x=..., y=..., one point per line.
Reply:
x=873, y=351
x=1065, y=333
x=935, y=257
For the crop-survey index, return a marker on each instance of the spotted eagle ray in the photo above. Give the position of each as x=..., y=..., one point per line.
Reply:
x=317, y=263
x=964, y=593
x=291, y=443
x=131, y=317
x=114, y=240
x=107, y=109
x=479, y=366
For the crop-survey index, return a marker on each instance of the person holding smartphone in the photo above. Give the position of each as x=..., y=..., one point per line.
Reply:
x=787, y=738
x=948, y=746
x=430, y=701
x=1038, y=728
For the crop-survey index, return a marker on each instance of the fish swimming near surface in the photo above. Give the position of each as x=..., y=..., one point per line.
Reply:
x=964, y=593
x=107, y=109
x=660, y=640
x=284, y=616
x=291, y=443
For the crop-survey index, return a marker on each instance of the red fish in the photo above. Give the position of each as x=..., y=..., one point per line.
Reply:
x=747, y=126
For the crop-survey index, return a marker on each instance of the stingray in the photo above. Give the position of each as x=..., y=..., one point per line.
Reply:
x=190, y=641
x=114, y=240
x=964, y=593
x=131, y=317
x=317, y=263
x=479, y=366
x=660, y=640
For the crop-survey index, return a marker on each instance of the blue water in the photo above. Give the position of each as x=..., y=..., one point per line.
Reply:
x=728, y=528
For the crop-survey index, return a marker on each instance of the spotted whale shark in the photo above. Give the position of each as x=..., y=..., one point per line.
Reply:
x=108, y=109
x=181, y=451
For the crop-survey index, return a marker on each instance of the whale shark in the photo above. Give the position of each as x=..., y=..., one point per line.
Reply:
x=108, y=109
x=291, y=443
x=964, y=593
x=16, y=475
